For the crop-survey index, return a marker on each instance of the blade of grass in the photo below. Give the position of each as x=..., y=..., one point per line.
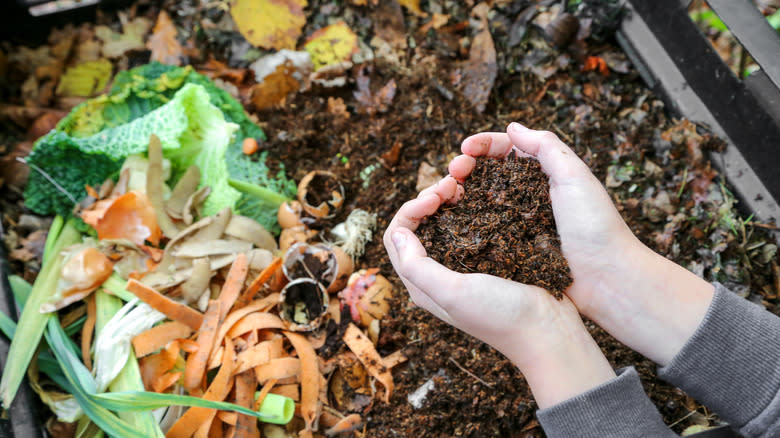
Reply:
x=144, y=401
x=21, y=289
x=129, y=379
x=75, y=326
x=82, y=384
x=32, y=323
x=87, y=429
x=7, y=325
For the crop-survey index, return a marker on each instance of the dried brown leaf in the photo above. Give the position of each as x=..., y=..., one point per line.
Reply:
x=163, y=43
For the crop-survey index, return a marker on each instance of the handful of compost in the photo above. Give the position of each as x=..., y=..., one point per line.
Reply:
x=503, y=226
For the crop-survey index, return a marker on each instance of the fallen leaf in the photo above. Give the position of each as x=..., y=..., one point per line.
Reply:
x=436, y=22
x=32, y=247
x=44, y=123
x=88, y=49
x=479, y=72
x=85, y=79
x=701, y=182
x=391, y=156
x=219, y=70
x=331, y=45
x=12, y=171
x=657, y=208
x=372, y=103
x=163, y=43
x=389, y=24
x=337, y=107
x=132, y=37
x=270, y=24
x=275, y=87
x=268, y=64
x=596, y=63
x=28, y=60
x=413, y=6
x=427, y=176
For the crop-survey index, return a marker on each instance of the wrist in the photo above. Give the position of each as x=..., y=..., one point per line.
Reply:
x=651, y=304
x=562, y=363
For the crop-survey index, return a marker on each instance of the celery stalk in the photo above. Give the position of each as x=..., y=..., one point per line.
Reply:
x=129, y=379
x=32, y=323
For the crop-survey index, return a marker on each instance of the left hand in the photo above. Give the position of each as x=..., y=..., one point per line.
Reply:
x=536, y=332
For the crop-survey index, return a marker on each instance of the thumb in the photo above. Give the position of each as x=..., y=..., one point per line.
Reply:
x=432, y=286
x=558, y=161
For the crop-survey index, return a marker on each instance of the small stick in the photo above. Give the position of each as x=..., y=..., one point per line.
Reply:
x=682, y=419
x=766, y=226
x=489, y=385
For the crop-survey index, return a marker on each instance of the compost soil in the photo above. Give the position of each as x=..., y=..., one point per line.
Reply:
x=503, y=226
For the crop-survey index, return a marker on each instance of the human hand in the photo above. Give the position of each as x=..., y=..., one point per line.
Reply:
x=544, y=337
x=644, y=300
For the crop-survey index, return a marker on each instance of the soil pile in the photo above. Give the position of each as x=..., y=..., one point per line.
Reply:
x=504, y=226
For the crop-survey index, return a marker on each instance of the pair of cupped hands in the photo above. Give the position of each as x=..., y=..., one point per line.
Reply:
x=647, y=302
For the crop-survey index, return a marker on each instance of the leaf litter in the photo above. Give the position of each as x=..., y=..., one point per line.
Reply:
x=655, y=168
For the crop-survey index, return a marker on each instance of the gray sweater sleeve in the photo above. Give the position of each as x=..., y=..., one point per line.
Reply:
x=731, y=364
x=616, y=409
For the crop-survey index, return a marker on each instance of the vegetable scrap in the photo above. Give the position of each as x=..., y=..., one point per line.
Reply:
x=213, y=306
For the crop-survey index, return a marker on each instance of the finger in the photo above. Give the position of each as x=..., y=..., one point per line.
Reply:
x=557, y=159
x=412, y=212
x=459, y=193
x=421, y=271
x=445, y=189
x=487, y=144
x=461, y=167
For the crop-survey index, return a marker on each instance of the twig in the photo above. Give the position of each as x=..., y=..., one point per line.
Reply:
x=760, y=225
x=684, y=180
x=563, y=134
x=682, y=419
x=489, y=385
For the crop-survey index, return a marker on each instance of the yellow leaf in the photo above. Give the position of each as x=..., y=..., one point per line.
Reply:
x=85, y=79
x=331, y=45
x=116, y=44
x=271, y=24
x=413, y=6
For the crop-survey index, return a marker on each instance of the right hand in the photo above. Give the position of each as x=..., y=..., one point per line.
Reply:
x=641, y=298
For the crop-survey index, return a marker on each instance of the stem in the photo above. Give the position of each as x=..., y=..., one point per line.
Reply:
x=32, y=322
x=263, y=193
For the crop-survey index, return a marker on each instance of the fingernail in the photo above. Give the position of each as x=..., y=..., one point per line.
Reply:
x=399, y=241
x=516, y=127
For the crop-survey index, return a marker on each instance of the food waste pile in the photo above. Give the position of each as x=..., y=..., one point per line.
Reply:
x=194, y=197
